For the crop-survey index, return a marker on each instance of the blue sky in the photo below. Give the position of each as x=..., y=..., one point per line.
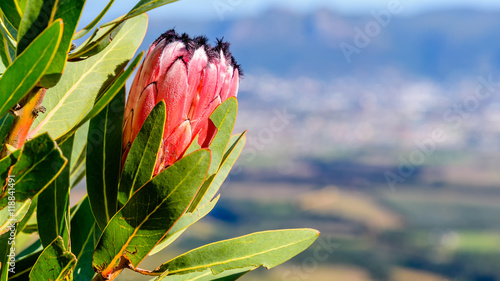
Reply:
x=225, y=9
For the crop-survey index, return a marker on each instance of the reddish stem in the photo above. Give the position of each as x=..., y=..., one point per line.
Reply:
x=24, y=115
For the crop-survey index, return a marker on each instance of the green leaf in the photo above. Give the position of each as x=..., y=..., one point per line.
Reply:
x=10, y=215
x=82, y=82
x=267, y=249
x=115, y=88
x=78, y=173
x=141, y=7
x=7, y=48
x=39, y=164
x=12, y=11
x=69, y=11
x=214, y=182
x=99, y=41
x=5, y=124
x=24, y=266
x=23, y=74
x=193, y=146
x=136, y=229
x=207, y=275
x=5, y=165
x=38, y=15
x=55, y=263
x=223, y=117
x=53, y=204
x=104, y=160
x=82, y=246
x=26, y=219
x=22, y=5
x=5, y=251
x=79, y=155
x=182, y=224
x=141, y=159
x=79, y=145
x=10, y=32
x=146, y=5
x=91, y=25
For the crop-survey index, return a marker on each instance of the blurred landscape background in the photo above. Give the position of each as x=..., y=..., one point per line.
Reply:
x=386, y=139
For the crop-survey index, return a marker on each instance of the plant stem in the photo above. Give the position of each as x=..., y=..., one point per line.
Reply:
x=144, y=271
x=24, y=115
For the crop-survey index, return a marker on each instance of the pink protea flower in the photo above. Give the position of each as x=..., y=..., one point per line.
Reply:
x=193, y=78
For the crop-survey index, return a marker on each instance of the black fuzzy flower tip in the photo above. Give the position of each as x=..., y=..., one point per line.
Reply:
x=192, y=44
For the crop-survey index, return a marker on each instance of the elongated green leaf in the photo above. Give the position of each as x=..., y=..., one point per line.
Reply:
x=7, y=51
x=78, y=173
x=79, y=154
x=12, y=31
x=184, y=222
x=24, y=266
x=5, y=58
x=69, y=11
x=267, y=249
x=115, y=88
x=193, y=146
x=99, y=41
x=11, y=215
x=39, y=164
x=12, y=11
x=70, y=100
x=53, y=204
x=150, y=214
x=22, y=5
x=141, y=7
x=37, y=16
x=82, y=246
x=104, y=159
x=140, y=163
x=79, y=145
x=91, y=25
x=55, y=263
x=5, y=255
x=23, y=74
x=5, y=124
x=214, y=182
x=21, y=225
x=207, y=275
x=5, y=164
x=8, y=30
x=146, y=5
x=223, y=117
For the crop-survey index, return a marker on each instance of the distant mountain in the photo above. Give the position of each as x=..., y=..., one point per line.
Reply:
x=437, y=45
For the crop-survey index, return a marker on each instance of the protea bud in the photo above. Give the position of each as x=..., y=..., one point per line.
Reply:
x=193, y=78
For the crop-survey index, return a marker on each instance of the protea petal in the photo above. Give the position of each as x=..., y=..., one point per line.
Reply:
x=192, y=78
x=196, y=70
x=171, y=54
x=173, y=89
x=207, y=91
x=150, y=70
x=128, y=135
x=147, y=100
x=203, y=127
x=235, y=84
x=174, y=146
